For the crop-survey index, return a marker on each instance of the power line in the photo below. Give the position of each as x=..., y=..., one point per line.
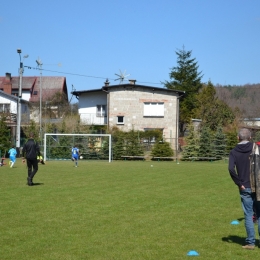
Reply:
x=82, y=75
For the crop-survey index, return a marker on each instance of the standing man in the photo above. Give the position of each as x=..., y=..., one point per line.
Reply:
x=12, y=155
x=242, y=170
x=75, y=155
x=30, y=151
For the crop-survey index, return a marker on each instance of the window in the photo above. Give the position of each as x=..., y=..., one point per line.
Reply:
x=4, y=108
x=35, y=92
x=154, y=109
x=120, y=120
x=101, y=110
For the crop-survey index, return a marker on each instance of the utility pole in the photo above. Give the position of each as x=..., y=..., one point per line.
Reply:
x=19, y=110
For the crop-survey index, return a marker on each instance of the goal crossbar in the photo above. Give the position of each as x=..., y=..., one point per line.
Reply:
x=94, y=135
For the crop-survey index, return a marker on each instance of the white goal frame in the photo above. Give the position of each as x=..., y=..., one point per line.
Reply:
x=97, y=135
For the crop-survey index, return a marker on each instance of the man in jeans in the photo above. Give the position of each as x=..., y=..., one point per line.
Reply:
x=243, y=176
x=31, y=150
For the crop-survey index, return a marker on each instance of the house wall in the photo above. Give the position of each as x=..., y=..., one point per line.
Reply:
x=88, y=108
x=26, y=95
x=13, y=104
x=25, y=117
x=130, y=104
x=253, y=122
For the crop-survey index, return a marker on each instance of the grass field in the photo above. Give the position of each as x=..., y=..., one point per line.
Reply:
x=121, y=210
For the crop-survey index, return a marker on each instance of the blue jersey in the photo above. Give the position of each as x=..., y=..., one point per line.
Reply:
x=75, y=152
x=12, y=152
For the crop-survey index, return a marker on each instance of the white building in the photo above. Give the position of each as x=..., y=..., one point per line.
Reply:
x=130, y=106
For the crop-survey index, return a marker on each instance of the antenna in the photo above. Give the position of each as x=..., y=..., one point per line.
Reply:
x=122, y=76
x=72, y=90
x=39, y=62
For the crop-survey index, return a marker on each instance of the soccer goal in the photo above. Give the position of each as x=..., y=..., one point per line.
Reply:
x=91, y=146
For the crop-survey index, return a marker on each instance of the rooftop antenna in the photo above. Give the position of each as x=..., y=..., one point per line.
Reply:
x=122, y=76
x=72, y=90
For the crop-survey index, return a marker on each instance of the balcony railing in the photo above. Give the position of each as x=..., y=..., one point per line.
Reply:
x=92, y=119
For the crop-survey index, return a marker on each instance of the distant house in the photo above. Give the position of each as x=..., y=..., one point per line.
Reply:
x=131, y=106
x=252, y=122
x=8, y=108
x=35, y=89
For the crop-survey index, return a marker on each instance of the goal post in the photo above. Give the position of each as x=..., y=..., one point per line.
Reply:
x=58, y=145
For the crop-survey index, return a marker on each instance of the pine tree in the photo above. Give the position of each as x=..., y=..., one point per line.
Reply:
x=219, y=144
x=206, y=143
x=185, y=76
x=118, y=144
x=192, y=147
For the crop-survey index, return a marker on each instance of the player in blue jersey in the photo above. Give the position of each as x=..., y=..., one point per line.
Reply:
x=75, y=155
x=12, y=155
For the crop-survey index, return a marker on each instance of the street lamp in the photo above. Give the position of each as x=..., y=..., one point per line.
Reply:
x=19, y=114
x=39, y=63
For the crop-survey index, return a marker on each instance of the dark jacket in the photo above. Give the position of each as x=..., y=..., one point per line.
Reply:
x=239, y=164
x=31, y=149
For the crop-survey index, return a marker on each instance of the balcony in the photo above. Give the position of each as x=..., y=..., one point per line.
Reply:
x=93, y=119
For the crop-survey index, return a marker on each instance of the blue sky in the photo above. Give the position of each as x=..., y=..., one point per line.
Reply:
x=94, y=39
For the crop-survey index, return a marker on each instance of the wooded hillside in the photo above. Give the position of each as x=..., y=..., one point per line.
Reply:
x=246, y=98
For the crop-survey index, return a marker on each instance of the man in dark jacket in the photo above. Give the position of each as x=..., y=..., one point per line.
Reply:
x=30, y=151
x=239, y=169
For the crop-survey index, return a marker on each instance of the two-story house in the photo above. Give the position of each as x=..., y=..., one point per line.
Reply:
x=35, y=89
x=131, y=106
x=8, y=108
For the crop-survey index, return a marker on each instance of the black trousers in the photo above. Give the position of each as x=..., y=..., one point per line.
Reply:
x=32, y=165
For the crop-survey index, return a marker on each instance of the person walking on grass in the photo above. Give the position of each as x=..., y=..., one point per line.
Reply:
x=244, y=169
x=75, y=155
x=30, y=151
x=12, y=156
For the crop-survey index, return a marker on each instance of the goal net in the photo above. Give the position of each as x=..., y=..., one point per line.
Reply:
x=91, y=146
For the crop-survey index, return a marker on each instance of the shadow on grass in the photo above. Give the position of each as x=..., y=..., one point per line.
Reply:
x=234, y=239
x=37, y=183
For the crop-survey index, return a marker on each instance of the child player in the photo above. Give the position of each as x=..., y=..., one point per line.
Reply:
x=75, y=155
x=12, y=156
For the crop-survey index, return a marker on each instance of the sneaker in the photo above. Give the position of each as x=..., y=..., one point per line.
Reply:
x=10, y=163
x=249, y=247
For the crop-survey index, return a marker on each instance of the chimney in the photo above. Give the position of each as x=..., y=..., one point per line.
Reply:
x=7, y=77
x=7, y=86
x=107, y=83
x=132, y=81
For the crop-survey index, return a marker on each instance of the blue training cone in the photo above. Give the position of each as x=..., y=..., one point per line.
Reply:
x=193, y=253
x=234, y=222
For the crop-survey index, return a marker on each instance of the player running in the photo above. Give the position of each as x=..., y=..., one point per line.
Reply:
x=12, y=156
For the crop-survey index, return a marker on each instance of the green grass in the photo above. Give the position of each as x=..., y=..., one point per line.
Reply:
x=121, y=210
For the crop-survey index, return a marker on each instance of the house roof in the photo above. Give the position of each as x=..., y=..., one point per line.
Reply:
x=129, y=85
x=49, y=86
